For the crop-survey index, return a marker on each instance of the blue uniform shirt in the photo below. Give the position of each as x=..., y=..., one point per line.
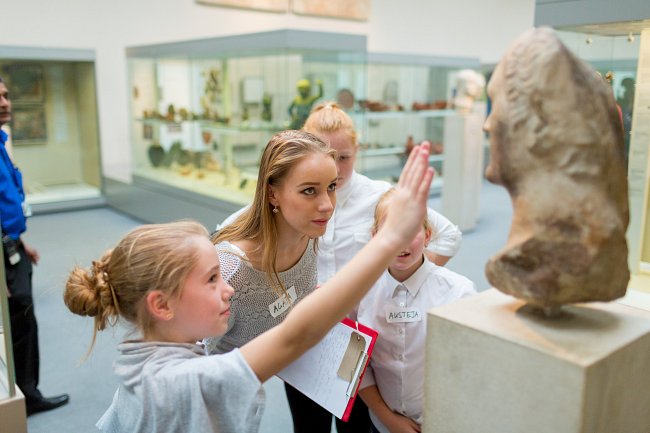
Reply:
x=11, y=194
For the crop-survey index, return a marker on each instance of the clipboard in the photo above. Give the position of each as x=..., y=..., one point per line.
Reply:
x=325, y=374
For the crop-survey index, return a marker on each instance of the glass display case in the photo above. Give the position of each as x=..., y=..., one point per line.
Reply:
x=203, y=110
x=614, y=50
x=12, y=406
x=620, y=52
x=408, y=101
x=615, y=57
x=54, y=135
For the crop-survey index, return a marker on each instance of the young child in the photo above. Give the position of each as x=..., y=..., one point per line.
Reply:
x=396, y=306
x=165, y=279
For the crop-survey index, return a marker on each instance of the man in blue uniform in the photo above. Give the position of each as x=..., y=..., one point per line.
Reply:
x=18, y=259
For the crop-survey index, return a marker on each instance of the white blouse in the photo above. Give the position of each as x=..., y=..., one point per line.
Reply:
x=349, y=228
x=398, y=312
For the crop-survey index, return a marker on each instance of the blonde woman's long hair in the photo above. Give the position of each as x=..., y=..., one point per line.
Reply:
x=256, y=223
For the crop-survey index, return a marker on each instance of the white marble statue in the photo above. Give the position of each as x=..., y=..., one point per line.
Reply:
x=469, y=86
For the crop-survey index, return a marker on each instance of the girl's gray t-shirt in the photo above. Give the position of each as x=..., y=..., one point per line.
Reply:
x=177, y=388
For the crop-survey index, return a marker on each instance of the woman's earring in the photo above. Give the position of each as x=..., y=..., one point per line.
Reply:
x=276, y=209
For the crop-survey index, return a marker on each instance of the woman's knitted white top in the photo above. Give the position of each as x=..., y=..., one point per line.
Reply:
x=255, y=306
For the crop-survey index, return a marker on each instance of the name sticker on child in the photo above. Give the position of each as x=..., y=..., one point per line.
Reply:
x=282, y=304
x=402, y=315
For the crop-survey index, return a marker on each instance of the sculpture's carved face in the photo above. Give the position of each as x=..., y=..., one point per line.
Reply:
x=495, y=126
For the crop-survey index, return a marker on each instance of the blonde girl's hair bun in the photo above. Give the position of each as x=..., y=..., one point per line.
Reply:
x=88, y=293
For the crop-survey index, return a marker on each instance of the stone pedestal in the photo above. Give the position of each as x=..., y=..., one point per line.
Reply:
x=463, y=168
x=13, y=417
x=495, y=365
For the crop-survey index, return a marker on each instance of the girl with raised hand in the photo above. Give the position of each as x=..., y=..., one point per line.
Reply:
x=285, y=268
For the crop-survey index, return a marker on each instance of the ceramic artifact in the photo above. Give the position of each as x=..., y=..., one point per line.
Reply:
x=345, y=99
x=156, y=154
x=172, y=154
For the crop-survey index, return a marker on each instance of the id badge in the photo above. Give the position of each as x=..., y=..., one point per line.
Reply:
x=282, y=304
x=14, y=258
x=403, y=315
x=27, y=209
x=11, y=250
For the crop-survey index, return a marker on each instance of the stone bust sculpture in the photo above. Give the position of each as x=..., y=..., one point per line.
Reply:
x=469, y=86
x=556, y=145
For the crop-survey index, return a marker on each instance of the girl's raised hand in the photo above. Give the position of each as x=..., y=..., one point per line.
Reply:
x=407, y=208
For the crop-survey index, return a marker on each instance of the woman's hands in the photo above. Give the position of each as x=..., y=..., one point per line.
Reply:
x=32, y=253
x=397, y=423
x=407, y=208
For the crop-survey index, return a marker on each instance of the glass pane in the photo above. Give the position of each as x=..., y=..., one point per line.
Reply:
x=7, y=387
x=54, y=128
x=201, y=121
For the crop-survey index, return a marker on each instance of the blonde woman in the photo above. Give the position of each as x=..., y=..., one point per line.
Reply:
x=347, y=231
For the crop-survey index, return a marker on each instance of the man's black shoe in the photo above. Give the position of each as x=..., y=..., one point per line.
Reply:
x=46, y=403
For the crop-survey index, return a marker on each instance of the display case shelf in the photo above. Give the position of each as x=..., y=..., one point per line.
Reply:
x=393, y=114
x=410, y=94
x=221, y=127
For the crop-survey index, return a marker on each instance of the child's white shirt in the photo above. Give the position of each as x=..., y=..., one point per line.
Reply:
x=398, y=312
x=349, y=229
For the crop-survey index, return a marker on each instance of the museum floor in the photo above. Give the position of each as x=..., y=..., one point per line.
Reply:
x=65, y=239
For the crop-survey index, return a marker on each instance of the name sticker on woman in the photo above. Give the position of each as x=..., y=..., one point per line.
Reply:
x=402, y=315
x=282, y=304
